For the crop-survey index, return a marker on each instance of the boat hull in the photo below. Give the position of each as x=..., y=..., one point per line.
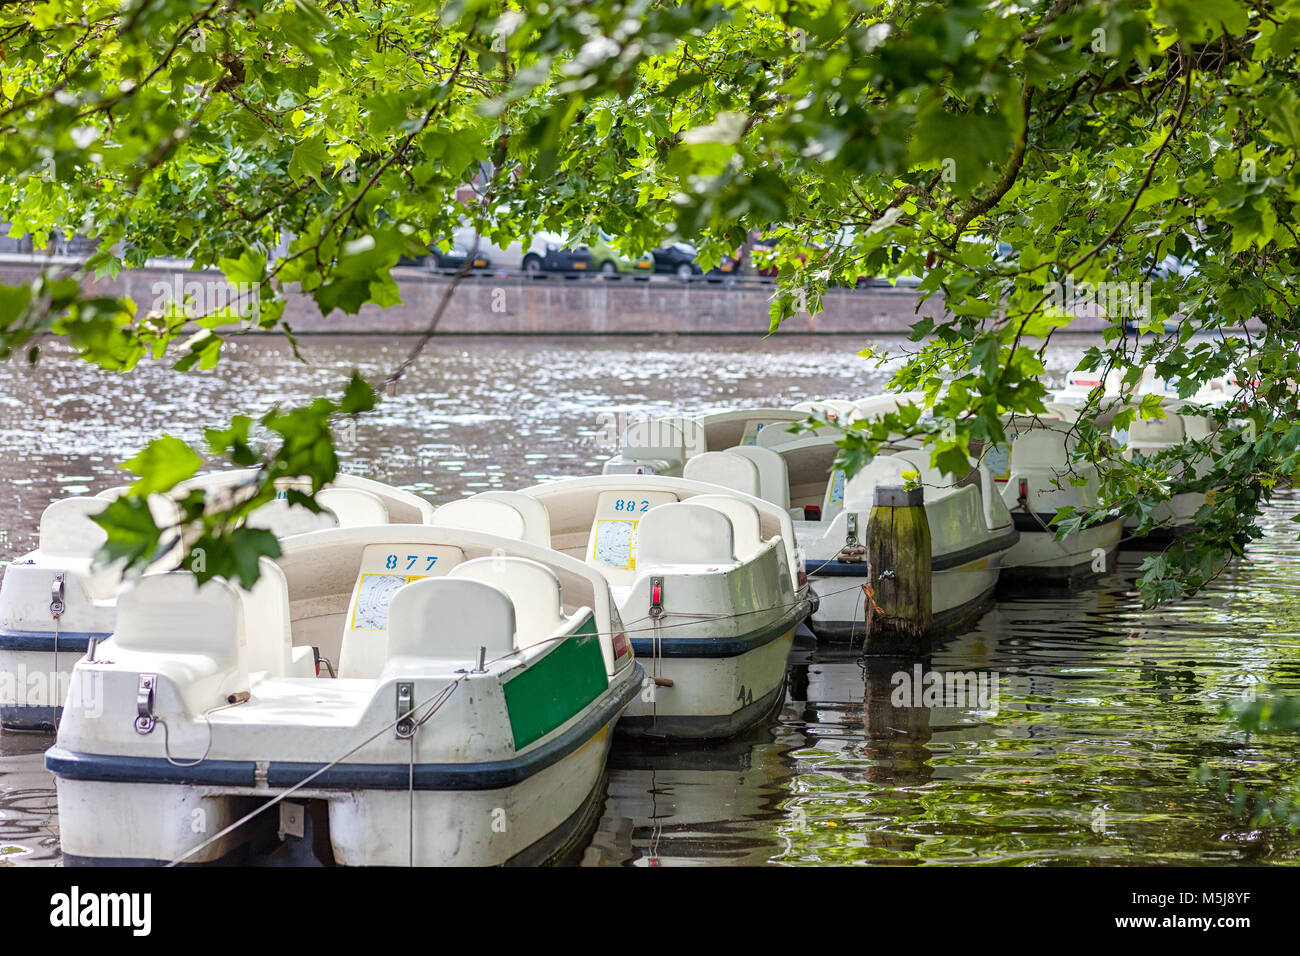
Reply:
x=720, y=687
x=1039, y=559
x=122, y=811
x=34, y=680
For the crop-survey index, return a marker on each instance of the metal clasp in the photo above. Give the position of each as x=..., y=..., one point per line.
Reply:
x=405, y=704
x=57, y=606
x=852, y=537
x=144, y=701
x=656, y=598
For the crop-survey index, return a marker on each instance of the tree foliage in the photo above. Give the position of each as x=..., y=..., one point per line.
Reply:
x=1092, y=139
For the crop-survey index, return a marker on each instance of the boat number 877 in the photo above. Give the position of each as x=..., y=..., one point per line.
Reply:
x=411, y=561
x=631, y=504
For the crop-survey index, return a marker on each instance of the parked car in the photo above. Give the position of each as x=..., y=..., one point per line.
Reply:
x=609, y=262
x=552, y=252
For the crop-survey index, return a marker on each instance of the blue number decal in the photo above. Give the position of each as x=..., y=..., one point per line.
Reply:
x=391, y=562
x=410, y=560
x=645, y=505
x=432, y=562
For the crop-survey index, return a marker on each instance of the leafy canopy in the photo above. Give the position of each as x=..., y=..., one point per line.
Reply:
x=1091, y=139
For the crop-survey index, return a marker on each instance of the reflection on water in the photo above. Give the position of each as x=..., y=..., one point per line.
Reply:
x=1102, y=710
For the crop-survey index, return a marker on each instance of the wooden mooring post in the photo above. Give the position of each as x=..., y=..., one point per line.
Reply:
x=898, y=603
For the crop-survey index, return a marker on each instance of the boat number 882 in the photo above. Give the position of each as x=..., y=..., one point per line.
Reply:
x=631, y=504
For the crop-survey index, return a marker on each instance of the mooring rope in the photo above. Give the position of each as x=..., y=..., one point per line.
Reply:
x=445, y=695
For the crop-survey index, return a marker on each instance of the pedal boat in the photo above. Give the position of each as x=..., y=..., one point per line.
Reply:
x=705, y=577
x=54, y=601
x=970, y=527
x=1036, y=477
x=479, y=682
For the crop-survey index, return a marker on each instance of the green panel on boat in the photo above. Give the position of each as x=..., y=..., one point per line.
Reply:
x=556, y=687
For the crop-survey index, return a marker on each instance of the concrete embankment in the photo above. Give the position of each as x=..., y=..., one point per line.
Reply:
x=515, y=305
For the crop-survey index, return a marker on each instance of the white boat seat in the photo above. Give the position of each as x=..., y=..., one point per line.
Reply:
x=723, y=468
x=1158, y=431
x=773, y=475
x=685, y=533
x=837, y=410
x=874, y=406
x=67, y=531
x=695, y=440
x=612, y=543
x=172, y=613
x=449, y=619
x=656, y=439
x=533, y=589
x=537, y=520
x=774, y=435
x=353, y=507
x=480, y=514
x=189, y=633
x=268, y=634
x=384, y=569
x=746, y=525
x=283, y=518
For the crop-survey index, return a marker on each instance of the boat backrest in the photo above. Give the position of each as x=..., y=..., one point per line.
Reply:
x=1157, y=431
x=695, y=440
x=450, y=619
x=613, y=541
x=773, y=476
x=775, y=435
x=283, y=518
x=537, y=520
x=533, y=589
x=383, y=570
x=480, y=514
x=354, y=507
x=873, y=406
x=837, y=410
x=723, y=468
x=746, y=525
x=685, y=533
x=655, y=439
x=267, y=632
x=172, y=613
x=67, y=531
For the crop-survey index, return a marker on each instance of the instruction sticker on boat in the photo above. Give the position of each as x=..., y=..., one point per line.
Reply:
x=998, y=460
x=837, y=488
x=374, y=593
x=615, y=543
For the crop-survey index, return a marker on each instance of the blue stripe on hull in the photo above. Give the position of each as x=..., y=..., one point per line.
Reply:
x=69, y=642
x=492, y=775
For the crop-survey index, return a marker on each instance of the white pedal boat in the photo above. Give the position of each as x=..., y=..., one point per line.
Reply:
x=1033, y=471
x=522, y=646
x=970, y=527
x=1177, y=516
x=35, y=665
x=706, y=579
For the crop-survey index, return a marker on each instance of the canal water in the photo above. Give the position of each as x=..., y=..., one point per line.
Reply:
x=1080, y=753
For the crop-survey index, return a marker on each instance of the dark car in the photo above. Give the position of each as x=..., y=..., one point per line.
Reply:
x=552, y=254
x=678, y=258
x=450, y=260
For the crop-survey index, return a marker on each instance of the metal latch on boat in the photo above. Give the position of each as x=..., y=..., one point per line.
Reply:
x=144, y=701
x=405, y=704
x=656, y=598
x=852, y=552
x=57, y=606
